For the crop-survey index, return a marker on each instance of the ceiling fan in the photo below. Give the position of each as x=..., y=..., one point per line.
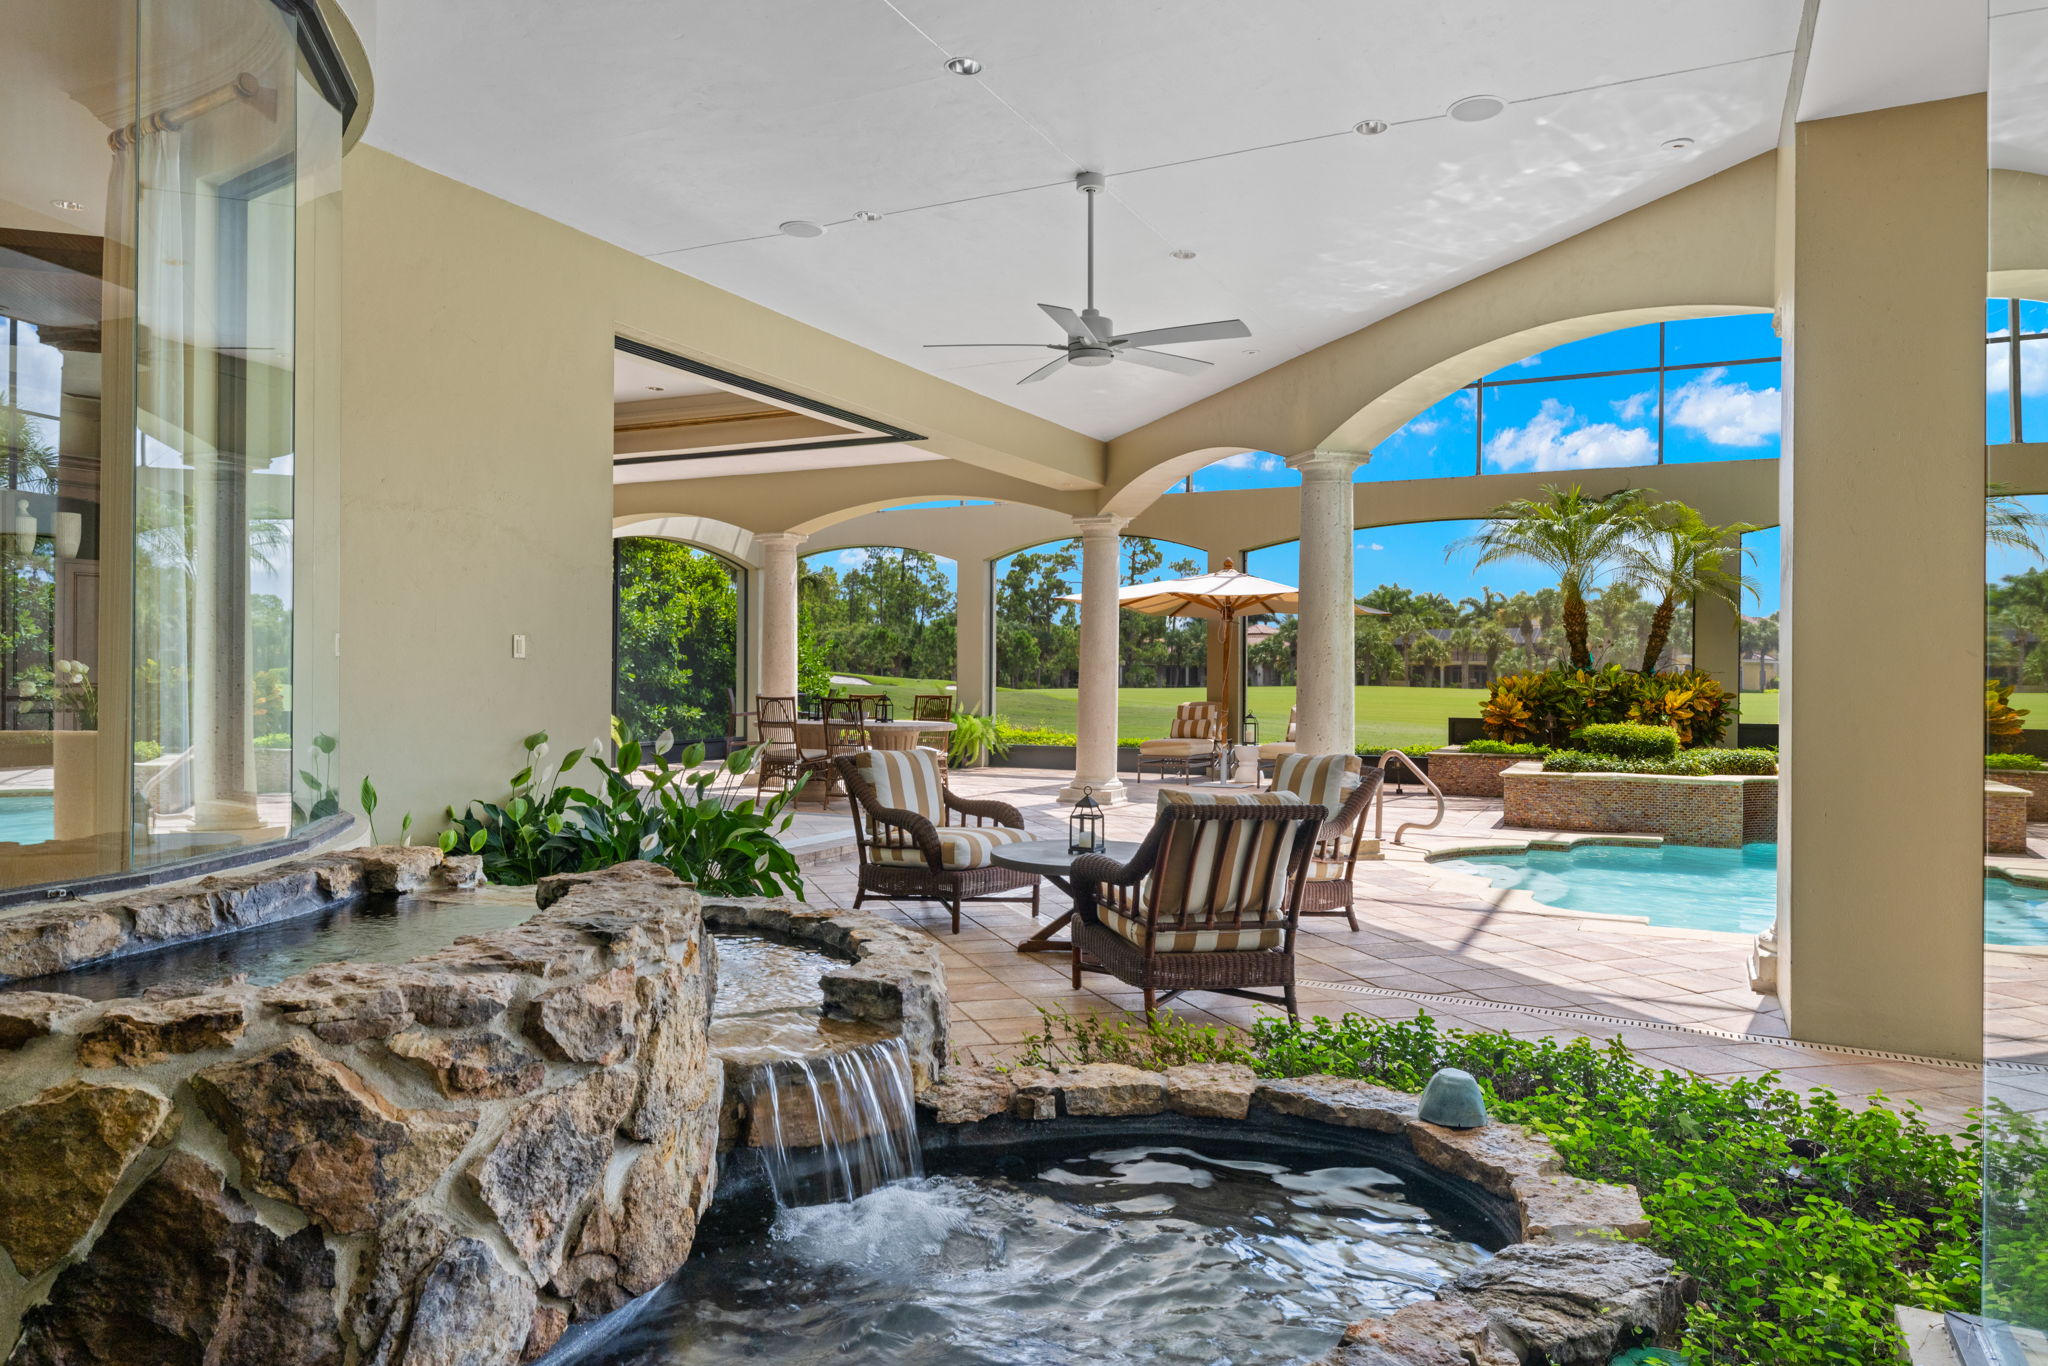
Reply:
x=1091, y=340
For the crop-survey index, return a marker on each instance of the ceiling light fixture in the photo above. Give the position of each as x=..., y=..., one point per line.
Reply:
x=800, y=227
x=1181, y=254
x=1371, y=128
x=866, y=216
x=963, y=66
x=1680, y=145
x=1477, y=108
x=68, y=205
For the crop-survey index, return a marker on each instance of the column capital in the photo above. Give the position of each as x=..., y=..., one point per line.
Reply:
x=780, y=539
x=1101, y=524
x=1327, y=464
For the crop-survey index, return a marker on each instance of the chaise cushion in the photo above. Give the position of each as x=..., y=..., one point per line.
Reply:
x=1197, y=939
x=960, y=846
x=1177, y=747
x=1323, y=780
x=907, y=780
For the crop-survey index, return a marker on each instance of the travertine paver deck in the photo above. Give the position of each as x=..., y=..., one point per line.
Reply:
x=1446, y=944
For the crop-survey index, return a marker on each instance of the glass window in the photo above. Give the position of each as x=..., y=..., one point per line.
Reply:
x=1244, y=470
x=1723, y=412
x=2033, y=317
x=1998, y=317
x=1761, y=669
x=877, y=619
x=1630, y=348
x=1437, y=443
x=1571, y=424
x=1709, y=341
x=2034, y=389
x=677, y=640
x=1998, y=392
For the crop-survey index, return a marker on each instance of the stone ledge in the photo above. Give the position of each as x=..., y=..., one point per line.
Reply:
x=474, y=1147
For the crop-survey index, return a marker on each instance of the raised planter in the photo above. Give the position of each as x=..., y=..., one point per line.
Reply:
x=2035, y=781
x=2005, y=816
x=1708, y=811
x=1458, y=773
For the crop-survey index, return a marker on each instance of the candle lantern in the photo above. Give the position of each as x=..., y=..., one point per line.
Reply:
x=1249, y=731
x=1084, y=826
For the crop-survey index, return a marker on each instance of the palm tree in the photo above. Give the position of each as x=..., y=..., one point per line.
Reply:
x=1676, y=556
x=1572, y=535
x=2011, y=524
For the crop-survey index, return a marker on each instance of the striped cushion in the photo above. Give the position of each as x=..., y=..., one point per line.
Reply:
x=1196, y=720
x=1224, y=796
x=907, y=780
x=1240, y=855
x=1176, y=746
x=959, y=846
x=1317, y=779
x=1328, y=870
x=1273, y=749
x=1212, y=939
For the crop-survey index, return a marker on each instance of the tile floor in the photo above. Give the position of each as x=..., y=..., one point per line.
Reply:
x=1436, y=941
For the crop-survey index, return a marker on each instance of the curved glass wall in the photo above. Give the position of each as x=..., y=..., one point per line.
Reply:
x=167, y=533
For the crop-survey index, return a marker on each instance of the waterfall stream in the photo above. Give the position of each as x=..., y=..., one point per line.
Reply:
x=833, y=1126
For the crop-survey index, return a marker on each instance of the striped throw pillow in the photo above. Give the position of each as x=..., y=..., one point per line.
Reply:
x=1317, y=779
x=907, y=780
x=1195, y=722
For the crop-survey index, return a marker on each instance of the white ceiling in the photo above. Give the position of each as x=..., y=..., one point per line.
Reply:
x=688, y=131
x=635, y=379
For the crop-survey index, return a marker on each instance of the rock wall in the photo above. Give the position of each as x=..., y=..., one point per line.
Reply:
x=420, y=1164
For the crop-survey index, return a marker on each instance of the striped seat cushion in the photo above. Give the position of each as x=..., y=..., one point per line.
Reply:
x=1323, y=780
x=960, y=846
x=1197, y=939
x=907, y=780
x=1185, y=746
x=1195, y=721
x=1273, y=749
x=1223, y=796
x=1328, y=870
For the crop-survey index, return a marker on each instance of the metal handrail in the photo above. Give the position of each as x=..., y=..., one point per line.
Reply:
x=1379, y=819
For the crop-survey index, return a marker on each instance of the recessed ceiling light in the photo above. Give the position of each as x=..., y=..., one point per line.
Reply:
x=1251, y=353
x=801, y=227
x=68, y=205
x=1370, y=127
x=1181, y=254
x=1679, y=145
x=1477, y=108
x=963, y=66
x=866, y=216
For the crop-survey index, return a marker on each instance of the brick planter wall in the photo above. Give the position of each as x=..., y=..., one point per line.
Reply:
x=2005, y=818
x=1684, y=810
x=2036, y=784
x=1460, y=774
x=1760, y=810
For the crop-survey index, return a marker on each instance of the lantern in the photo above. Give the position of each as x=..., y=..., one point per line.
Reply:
x=1084, y=826
x=1248, y=733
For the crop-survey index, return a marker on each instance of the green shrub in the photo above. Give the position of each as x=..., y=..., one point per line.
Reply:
x=1584, y=761
x=1031, y=735
x=1803, y=1220
x=1628, y=740
x=1547, y=707
x=147, y=751
x=1691, y=763
x=1502, y=747
x=2024, y=763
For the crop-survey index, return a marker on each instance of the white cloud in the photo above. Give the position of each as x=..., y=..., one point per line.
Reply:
x=1423, y=426
x=1527, y=361
x=1264, y=462
x=1375, y=546
x=852, y=559
x=1635, y=405
x=1726, y=413
x=1554, y=439
x=1998, y=372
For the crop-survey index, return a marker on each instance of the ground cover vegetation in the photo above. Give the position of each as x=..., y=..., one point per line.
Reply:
x=1802, y=1220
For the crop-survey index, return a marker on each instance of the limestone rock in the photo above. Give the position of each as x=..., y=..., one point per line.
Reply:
x=447, y=1001
x=27, y=1015
x=549, y=1161
x=1449, y=1332
x=676, y=1072
x=185, y=1275
x=472, y=1311
x=969, y=1094
x=479, y=1066
x=51, y=939
x=388, y=1278
x=1333, y=1100
x=350, y=1016
x=1218, y=1090
x=461, y=872
x=1038, y=1093
x=589, y=1277
x=311, y=1132
x=397, y=867
x=1111, y=1088
x=1565, y=1207
x=549, y=1323
x=63, y=1153
x=1573, y=1303
x=588, y=1021
x=665, y=1190
x=1496, y=1158
x=139, y=1033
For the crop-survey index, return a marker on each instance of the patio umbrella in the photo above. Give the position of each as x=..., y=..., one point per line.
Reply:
x=1223, y=596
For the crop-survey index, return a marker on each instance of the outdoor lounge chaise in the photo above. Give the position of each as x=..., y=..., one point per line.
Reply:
x=1210, y=902
x=914, y=838
x=1193, y=742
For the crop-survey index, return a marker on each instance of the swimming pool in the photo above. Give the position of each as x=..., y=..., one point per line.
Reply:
x=1701, y=889
x=27, y=819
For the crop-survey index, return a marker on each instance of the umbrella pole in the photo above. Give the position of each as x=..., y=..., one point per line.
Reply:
x=1229, y=675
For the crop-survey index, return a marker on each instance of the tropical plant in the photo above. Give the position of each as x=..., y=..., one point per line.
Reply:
x=1676, y=556
x=1627, y=740
x=323, y=797
x=2010, y=523
x=2002, y=721
x=1547, y=707
x=724, y=850
x=526, y=837
x=1502, y=747
x=1575, y=536
x=973, y=734
x=2017, y=763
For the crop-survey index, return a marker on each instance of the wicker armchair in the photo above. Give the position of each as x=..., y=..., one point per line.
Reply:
x=1272, y=751
x=1333, y=782
x=915, y=840
x=782, y=758
x=934, y=706
x=1210, y=902
x=844, y=733
x=1194, y=742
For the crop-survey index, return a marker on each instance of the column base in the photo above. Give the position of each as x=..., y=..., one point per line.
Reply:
x=1107, y=791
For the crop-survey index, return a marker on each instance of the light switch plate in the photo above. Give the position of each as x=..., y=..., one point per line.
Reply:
x=518, y=646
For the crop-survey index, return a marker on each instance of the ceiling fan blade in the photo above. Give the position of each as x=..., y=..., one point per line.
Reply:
x=954, y=346
x=1042, y=371
x=1193, y=332
x=1163, y=360
x=1069, y=321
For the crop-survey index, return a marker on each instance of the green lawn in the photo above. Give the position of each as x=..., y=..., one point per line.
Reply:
x=1386, y=716
x=1761, y=708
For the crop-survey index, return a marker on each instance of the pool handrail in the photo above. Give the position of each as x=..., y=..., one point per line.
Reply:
x=1379, y=819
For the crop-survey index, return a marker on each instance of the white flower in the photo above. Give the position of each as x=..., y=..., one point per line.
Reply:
x=540, y=751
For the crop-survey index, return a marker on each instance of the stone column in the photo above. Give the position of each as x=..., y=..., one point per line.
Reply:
x=1881, y=495
x=974, y=645
x=1095, y=750
x=1717, y=640
x=778, y=611
x=1325, y=651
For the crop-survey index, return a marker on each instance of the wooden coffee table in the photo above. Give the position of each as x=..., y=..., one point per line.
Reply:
x=1051, y=861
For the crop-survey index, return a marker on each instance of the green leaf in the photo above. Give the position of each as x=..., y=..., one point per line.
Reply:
x=324, y=743
x=369, y=797
x=534, y=741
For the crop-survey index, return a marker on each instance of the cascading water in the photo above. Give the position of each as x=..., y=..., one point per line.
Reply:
x=834, y=1126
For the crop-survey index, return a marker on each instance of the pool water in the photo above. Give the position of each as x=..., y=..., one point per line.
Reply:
x=28, y=819
x=1703, y=889
x=1143, y=1254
